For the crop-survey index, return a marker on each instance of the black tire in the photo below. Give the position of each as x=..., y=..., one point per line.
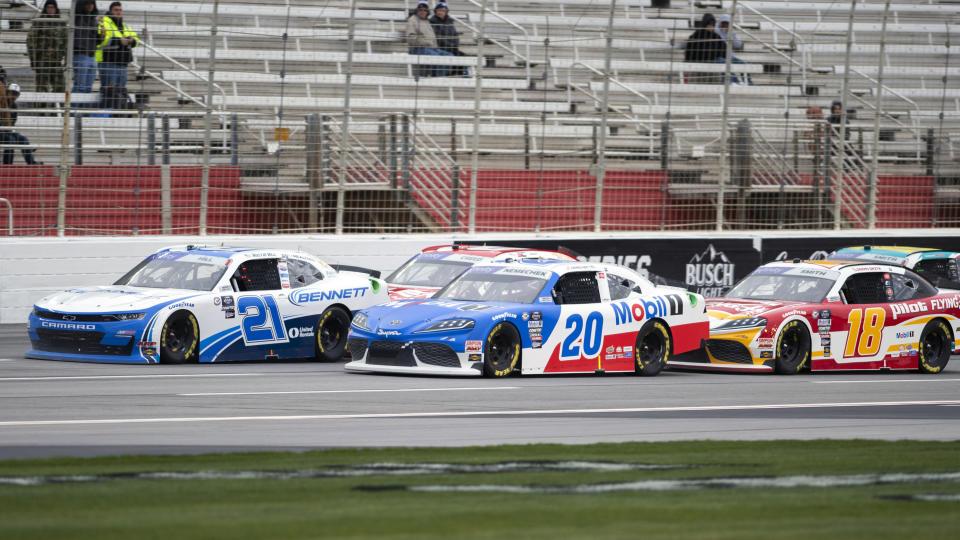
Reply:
x=652, y=348
x=501, y=351
x=793, y=349
x=935, y=347
x=331, y=334
x=179, y=339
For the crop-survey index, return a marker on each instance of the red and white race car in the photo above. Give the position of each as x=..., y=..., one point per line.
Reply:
x=433, y=268
x=787, y=317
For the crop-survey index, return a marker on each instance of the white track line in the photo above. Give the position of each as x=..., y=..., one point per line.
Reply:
x=545, y=412
x=109, y=377
x=872, y=381
x=451, y=389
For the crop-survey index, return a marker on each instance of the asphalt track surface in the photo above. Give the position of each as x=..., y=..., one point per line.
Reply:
x=75, y=409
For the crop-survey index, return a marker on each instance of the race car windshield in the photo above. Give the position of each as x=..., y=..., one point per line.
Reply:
x=494, y=288
x=781, y=287
x=174, y=274
x=427, y=273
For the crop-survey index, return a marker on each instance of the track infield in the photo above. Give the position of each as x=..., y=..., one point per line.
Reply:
x=700, y=489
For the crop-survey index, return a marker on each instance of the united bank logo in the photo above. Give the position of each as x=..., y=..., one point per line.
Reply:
x=711, y=272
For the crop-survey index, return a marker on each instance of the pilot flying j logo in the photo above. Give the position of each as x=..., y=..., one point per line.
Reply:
x=711, y=272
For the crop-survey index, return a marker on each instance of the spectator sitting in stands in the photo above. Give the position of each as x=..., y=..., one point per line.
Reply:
x=422, y=40
x=704, y=45
x=836, y=118
x=723, y=27
x=8, y=119
x=47, y=48
x=447, y=36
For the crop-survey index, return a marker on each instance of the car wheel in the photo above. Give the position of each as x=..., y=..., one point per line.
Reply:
x=502, y=351
x=935, y=347
x=652, y=348
x=331, y=332
x=793, y=348
x=179, y=339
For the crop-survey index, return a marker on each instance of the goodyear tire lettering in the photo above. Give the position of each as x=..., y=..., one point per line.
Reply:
x=652, y=348
x=793, y=348
x=936, y=345
x=179, y=338
x=331, y=334
x=501, y=351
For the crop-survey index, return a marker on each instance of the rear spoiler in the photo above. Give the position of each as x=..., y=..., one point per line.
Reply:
x=358, y=269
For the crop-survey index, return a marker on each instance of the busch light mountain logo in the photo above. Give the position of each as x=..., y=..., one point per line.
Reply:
x=710, y=273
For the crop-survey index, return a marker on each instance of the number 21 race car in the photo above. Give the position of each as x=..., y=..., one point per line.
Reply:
x=532, y=316
x=787, y=317
x=198, y=304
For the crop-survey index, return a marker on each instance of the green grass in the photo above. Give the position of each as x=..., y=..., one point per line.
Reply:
x=332, y=508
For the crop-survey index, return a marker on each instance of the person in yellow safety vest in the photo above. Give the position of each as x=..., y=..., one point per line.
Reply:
x=113, y=53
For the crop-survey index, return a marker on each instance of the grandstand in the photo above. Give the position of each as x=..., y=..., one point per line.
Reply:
x=290, y=79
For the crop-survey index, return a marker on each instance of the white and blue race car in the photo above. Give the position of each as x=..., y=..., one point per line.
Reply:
x=532, y=316
x=206, y=304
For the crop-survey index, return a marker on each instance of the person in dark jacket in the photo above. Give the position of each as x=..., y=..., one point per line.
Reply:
x=448, y=39
x=704, y=44
x=84, y=45
x=7, y=134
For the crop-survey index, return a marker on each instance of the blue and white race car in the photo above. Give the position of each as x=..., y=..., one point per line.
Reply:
x=204, y=304
x=533, y=316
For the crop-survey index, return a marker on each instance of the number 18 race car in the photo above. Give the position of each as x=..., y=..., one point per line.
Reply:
x=532, y=316
x=787, y=317
x=198, y=304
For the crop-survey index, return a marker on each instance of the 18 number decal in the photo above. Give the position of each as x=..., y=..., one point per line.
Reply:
x=865, y=341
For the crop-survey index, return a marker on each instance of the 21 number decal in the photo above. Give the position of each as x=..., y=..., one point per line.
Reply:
x=261, y=322
x=865, y=341
x=592, y=333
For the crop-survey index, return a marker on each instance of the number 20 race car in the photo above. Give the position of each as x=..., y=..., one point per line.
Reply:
x=532, y=316
x=830, y=315
x=198, y=304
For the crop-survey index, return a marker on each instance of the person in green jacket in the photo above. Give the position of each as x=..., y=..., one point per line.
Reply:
x=47, y=48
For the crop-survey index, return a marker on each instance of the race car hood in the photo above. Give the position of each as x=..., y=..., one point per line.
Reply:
x=398, y=318
x=405, y=292
x=107, y=299
x=721, y=310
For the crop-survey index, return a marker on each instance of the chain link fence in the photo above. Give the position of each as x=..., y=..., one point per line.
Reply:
x=568, y=115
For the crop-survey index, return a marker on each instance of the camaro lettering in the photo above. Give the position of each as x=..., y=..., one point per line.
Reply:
x=67, y=326
x=904, y=309
x=307, y=297
x=658, y=306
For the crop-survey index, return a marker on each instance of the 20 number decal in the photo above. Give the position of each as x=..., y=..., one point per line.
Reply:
x=865, y=341
x=592, y=333
x=261, y=322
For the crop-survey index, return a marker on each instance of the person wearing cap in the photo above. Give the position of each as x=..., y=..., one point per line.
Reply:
x=7, y=135
x=85, y=17
x=422, y=40
x=114, y=53
x=47, y=48
x=448, y=39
